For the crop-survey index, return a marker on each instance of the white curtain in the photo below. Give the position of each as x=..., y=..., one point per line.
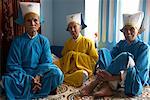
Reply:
x=109, y=22
x=145, y=7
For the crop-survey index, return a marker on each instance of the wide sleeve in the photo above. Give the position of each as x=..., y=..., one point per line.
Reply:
x=92, y=52
x=138, y=76
x=14, y=64
x=45, y=62
x=14, y=57
x=65, y=49
x=90, y=57
x=142, y=63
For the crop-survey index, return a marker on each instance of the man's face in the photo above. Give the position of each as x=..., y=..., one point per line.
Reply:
x=32, y=23
x=130, y=33
x=74, y=29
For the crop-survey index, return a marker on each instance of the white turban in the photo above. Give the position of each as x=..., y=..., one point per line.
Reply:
x=27, y=7
x=134, y=20
x=74, y=18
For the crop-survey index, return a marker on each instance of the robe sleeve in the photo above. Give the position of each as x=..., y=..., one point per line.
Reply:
x=84, y=58
x=138, y=75
x=46, y=62
x=14, y=57
x=142, y=63
x=92, y=52
x=14, y=68
x=65, y=49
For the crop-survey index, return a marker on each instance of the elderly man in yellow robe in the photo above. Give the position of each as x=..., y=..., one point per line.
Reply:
x=79, y=55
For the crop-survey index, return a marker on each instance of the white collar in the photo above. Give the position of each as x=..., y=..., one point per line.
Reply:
x=32, y=36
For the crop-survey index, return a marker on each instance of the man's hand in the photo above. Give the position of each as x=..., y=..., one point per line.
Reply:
x=105, y=75
x=36, y=83
x=71, y=59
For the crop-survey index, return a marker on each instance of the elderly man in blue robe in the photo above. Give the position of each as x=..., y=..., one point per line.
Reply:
x=126, y=65
x=30, y=69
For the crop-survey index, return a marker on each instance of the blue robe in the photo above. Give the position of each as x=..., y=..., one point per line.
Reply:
x=28, y=58
x=117, y=59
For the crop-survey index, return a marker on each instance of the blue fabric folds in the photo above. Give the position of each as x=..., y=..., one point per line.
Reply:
x=28, y=58
x=116, y=60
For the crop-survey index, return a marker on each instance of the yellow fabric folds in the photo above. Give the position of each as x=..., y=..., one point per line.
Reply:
x=78, y=55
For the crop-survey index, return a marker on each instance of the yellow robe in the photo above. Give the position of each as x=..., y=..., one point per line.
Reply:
x=78, y=55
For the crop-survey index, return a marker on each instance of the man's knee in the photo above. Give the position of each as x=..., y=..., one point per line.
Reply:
x=59, y=74
x=103, y=50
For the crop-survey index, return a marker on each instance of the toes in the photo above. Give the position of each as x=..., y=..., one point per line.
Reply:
x=83, y=93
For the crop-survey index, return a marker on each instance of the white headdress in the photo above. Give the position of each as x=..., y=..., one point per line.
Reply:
x=134, y=20
x=27, y=7
x=74, y=17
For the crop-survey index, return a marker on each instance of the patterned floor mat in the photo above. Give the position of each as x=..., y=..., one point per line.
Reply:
x=66, y=92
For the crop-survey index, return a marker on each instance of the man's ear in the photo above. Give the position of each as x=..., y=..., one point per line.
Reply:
x=81, y=27
x=121, y=30
x=67, y=29
x=141, y=30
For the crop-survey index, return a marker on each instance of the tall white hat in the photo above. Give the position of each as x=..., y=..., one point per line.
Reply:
x=27, y=7
x=134, y=20
x=74, y=18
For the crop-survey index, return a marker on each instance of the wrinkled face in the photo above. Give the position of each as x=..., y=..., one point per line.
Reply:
x=130, y=33
x=74, y=29
x=32, y=23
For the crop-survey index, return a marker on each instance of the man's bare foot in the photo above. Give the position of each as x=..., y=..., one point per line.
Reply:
x=104, y=91
x=89, y=88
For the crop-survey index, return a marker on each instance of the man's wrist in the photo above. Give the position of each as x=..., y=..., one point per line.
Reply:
x=114, y=78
